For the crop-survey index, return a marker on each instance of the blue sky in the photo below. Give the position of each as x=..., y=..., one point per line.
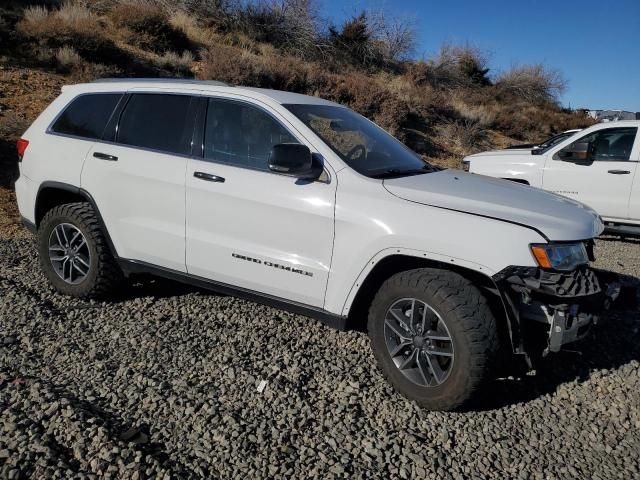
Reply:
x=595, y=43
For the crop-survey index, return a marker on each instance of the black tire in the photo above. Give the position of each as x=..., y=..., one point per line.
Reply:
x=468, y=319
x=103, y=275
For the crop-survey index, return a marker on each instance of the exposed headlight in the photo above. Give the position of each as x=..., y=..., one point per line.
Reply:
x=560, y=256
x=466, y=165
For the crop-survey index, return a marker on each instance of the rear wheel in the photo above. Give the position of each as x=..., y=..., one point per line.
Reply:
x=433, y=336
x=74, y=254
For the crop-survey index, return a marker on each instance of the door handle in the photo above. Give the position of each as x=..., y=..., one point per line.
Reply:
x=105, y=156
x=620, y=172
x=209, y=177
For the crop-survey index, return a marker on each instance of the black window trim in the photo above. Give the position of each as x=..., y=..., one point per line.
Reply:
x=200, y=107
x=50, y=131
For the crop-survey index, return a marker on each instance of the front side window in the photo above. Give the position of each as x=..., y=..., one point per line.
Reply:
x=87, y=115
x=158, y=122
x=607, y=145
x=362, y=145
x=242, y=135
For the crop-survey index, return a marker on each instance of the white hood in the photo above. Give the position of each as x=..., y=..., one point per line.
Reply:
x=558, y=218
x=526, y=152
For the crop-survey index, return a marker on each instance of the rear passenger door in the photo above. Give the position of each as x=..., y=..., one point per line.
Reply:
x=247, y=226
x=136, y=177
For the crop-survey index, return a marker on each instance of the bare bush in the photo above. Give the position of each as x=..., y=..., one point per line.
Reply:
x=532, y=83
x=454, y=66
x=75, y=13
x=396, y=34
x=35, y=14
x=176, y=62
x=67, y=58
x=188, y=25
x=465, y=135
x=290, y=25
x=149, y=27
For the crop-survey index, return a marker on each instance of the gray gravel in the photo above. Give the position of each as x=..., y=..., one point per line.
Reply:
x=173, y=382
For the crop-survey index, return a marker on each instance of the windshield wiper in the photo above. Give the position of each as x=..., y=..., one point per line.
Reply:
x=395, y=172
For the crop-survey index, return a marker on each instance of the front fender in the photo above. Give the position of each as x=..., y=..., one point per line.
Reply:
x=419, y=255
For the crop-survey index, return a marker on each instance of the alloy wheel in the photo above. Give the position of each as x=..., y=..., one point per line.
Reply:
x=69, y=253
x=418, y=342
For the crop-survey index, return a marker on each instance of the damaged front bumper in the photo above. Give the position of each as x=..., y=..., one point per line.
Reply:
x=567, y=303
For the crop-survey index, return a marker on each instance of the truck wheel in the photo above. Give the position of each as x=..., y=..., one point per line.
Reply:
x=74, y=254
x=433, y=336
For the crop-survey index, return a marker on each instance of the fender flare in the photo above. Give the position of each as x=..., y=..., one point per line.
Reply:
x=67, y=187
x=481, y=275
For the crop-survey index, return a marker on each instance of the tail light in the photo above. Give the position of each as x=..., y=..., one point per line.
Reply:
x=21, y=146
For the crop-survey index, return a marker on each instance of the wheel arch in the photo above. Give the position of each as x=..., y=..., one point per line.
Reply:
x=508, y=327
x=52, y=194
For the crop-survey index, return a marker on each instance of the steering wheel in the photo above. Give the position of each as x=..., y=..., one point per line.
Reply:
x=360, y=149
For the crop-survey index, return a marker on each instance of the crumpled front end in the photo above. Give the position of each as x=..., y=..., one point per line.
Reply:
x=566, y=304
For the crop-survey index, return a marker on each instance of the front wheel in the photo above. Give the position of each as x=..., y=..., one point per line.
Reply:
x=433, y=336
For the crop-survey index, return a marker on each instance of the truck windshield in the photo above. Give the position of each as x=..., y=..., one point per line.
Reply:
x=363, y=145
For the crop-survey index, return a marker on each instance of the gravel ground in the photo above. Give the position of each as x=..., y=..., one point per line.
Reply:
x=173, y=382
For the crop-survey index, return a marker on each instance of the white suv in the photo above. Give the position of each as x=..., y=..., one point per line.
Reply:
x=596, y=166
x=303, y=204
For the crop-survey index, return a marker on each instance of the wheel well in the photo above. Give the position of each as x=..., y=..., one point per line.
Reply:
x=518, y=180
x=358, y=313
x=50, y=197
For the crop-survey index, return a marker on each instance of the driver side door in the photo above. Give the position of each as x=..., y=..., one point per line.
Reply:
x=597, y=169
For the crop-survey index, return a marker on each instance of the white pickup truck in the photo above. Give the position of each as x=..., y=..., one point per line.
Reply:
x=596, y=166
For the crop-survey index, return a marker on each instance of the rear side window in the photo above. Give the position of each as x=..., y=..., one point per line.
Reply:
x=87, y=115
x=157, y=121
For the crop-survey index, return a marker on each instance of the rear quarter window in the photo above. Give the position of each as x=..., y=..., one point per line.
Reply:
x=87, y=115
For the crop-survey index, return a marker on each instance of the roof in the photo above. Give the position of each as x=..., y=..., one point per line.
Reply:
x=123, y=84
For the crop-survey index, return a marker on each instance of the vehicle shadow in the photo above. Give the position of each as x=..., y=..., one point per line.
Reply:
x=8, y=163
x=142, y=286
x=613, y=343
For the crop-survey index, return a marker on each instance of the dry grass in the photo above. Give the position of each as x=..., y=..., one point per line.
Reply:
x=67, y=58
x=187, y=24
x=35, y=14
x=177, y=62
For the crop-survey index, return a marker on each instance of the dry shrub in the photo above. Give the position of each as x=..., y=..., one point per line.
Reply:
x=187, y=24
x=176, y=62
x=239, y=67
x=454, y=66
x=35, y=14
x=149, y=27
x=75, y=14
x=532, y=83
x=466, y=136
x=67, y=59
x=290, y=25
x=482, y=114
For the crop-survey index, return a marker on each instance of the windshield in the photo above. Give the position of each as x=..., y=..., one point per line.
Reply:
x=363, y=145
x=556, y=139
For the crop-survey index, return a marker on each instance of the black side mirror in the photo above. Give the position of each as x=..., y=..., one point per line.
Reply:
x=291, y=159
x=579, y=152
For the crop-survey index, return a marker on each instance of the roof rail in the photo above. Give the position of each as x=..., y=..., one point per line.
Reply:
x=162, y=80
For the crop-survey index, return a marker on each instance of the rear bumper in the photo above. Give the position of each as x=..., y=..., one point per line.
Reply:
x=567, y=304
